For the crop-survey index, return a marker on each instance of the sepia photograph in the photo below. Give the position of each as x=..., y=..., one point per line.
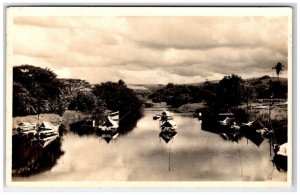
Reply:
x=156, y=97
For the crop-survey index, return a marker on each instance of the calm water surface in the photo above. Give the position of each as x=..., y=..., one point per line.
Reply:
x=193, y=155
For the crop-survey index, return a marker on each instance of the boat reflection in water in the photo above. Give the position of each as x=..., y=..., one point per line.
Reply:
x=233, y=130
x=167, y=136
x=35, y=147
x=168, y=130
x=280, y=158
x=255, y=131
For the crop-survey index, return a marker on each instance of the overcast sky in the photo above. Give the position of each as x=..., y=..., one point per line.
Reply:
x=152, y=49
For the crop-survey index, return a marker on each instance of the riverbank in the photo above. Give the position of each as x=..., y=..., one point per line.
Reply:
x=67, y=118
x=273, y=115
x=29, y=156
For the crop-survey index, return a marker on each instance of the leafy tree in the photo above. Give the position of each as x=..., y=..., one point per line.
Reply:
x=34, y=91
x=230, y=93
x=170, y=85
x=121, y=82
x=117, y=97
x=22, y=102
x=86, y=102
x=277, y=89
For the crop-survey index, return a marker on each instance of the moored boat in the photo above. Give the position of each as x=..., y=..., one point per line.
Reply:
x=109, y=129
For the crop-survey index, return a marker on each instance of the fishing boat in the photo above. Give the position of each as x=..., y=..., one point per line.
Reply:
x=169, y=125
x=227, y=121
x=109, y=125
x=47, y=129
x=47, y=133
x=26, y=129
x=282, y=149
x=114, y=116
x=166, y=115
x=250, y=123
x=109, y=129
x=156, y=117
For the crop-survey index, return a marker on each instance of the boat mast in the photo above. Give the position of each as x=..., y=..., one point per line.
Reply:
x=169, y=158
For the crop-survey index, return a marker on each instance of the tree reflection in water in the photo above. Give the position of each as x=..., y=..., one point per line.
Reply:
x=29, y=157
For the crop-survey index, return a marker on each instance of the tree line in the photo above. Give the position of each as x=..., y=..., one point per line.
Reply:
x=38, y=90
x=228, y=93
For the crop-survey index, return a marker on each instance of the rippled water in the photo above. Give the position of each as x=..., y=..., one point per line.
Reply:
x=193, y=155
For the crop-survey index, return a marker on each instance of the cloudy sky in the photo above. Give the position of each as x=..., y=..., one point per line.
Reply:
x=179, y=49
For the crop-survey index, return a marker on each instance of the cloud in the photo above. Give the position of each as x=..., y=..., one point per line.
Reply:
x=208, y=32
x=151, y=49
x=106, y=24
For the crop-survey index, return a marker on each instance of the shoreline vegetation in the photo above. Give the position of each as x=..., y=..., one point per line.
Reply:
x=38, y=95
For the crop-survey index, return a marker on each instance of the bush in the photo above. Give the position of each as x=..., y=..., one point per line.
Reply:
x=117, y=97
x=86, y=102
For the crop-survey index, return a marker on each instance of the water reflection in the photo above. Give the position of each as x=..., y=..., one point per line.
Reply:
x=167, y=136
x=139, y=156
x=280, y=158
x=255, y=131
x=106, y=126
x=280, y=162
x=167, y=128
x=230, y=130
x=30, y=157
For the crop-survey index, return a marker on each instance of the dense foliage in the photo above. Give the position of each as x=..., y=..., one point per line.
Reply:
x=177, y=95
x=118, y=97
x=86, y=102
x=228, y=93
x=36, y=90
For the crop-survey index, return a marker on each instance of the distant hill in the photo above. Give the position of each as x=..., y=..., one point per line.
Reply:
x=252, y=89
x=249, y=81
x=146, y=87
x=137, y=87
x=264, y=80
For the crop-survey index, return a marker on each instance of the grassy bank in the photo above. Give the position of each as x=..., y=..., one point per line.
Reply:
x=276, y=118
x=190, y=108
x=67, y=118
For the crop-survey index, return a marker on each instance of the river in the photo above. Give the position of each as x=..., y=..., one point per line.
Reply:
x=140, y=155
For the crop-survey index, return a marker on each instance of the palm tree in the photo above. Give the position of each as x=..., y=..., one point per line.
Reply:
x=278, y=68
